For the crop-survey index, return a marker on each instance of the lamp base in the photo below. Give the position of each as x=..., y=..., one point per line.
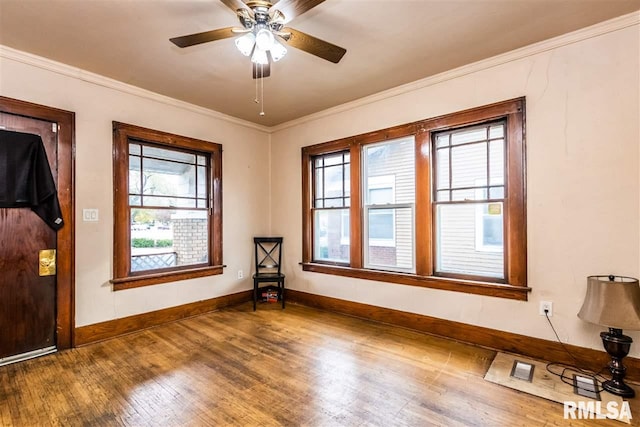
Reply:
x=617, y=346
x=619, y=389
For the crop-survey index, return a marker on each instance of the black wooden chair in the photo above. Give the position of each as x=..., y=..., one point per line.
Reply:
x=268, y=258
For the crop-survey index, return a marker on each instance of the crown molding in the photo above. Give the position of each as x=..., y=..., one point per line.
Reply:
x=99, y=80
x=609, y=26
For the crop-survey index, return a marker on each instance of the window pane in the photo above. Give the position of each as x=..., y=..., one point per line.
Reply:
x=134, y=149
x=496, y=131
x=347, y=180
x=172, y=155
x=469, y=135
x=442, y=140
x=469, y=165
x=333, y=181
x=391, y=165
x=346, y=226
x=380, y=196
x=135, y=186
x=333, y=159
x=202, y=181
x=470, y=194
x=330, y=243
x=469, y=239
x=162, y=238
x=381, y=224
x=496, y=193
x=165, y=178
x=169, y=202
x=443, y=196
x=334, y=203
x=492, y=235
x=389, y=242
x=318, y=189
x=202, y=160
x=134, y=200
x=496, y=162
x=442, y=166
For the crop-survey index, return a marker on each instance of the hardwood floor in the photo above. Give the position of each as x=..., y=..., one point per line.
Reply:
x=300, y=366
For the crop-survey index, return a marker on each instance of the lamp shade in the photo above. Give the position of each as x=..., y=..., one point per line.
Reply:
x=612, y=301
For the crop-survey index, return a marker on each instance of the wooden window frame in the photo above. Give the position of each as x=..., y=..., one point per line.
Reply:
x=513, y=286
x=123, y=278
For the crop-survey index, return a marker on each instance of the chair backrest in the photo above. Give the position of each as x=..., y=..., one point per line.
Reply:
x=268, y=254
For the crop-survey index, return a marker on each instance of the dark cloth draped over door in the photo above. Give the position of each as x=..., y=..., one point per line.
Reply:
x=25, y=177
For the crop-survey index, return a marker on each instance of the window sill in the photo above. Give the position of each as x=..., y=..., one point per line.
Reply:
x=165, y=277
x=447, y=284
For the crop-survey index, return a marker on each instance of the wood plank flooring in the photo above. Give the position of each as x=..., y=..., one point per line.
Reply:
x=297, y=366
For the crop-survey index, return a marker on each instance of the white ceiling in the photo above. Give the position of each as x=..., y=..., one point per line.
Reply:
x=388, y=42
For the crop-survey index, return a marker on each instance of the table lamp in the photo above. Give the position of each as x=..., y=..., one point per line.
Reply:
x=614, y=302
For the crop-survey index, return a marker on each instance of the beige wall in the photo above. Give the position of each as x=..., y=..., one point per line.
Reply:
x=582, y=178
x=96, y=105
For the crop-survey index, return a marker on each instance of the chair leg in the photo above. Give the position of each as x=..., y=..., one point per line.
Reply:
x=282, y=294
x=255, y=294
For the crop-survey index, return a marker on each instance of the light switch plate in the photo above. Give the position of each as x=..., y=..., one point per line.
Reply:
x=90, y=215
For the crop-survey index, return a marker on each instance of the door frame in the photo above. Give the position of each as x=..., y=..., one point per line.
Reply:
x=65, y=277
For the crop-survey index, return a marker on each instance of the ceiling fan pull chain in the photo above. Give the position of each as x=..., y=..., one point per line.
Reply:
x=262, y=89
x=256, y=98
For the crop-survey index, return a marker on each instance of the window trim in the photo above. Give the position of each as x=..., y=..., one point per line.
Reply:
x=123, y=278
x=515, y=204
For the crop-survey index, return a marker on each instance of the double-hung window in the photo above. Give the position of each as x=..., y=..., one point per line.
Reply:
x=436, y=203
x=167, y=201
x=331, y=207
x=388, y=210
x=469, y=200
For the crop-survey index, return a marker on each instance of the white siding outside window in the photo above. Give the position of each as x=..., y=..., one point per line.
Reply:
x=469, y=202
x=388, y=211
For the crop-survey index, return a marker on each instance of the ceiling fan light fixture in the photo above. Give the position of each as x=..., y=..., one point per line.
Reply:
x=259, y=56
x=264, y=39
x=245, y=44
x=278, y=51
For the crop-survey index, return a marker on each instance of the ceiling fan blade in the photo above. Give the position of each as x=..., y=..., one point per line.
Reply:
x=207, y=36
x=293, y=8
x=234, y=4
x=314, y=46
x=261, y=71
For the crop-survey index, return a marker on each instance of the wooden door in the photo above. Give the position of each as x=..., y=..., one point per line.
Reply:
x=35, y=311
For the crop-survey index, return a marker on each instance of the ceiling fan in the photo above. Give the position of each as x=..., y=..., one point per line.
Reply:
x=263, y=27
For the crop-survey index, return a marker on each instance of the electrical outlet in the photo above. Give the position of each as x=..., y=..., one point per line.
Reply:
x=546, y=305
x=240, y=274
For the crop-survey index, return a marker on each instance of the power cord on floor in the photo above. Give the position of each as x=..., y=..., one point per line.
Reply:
x=566, y=375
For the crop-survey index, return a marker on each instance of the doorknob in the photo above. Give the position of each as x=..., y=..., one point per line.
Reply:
x=47, y=262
